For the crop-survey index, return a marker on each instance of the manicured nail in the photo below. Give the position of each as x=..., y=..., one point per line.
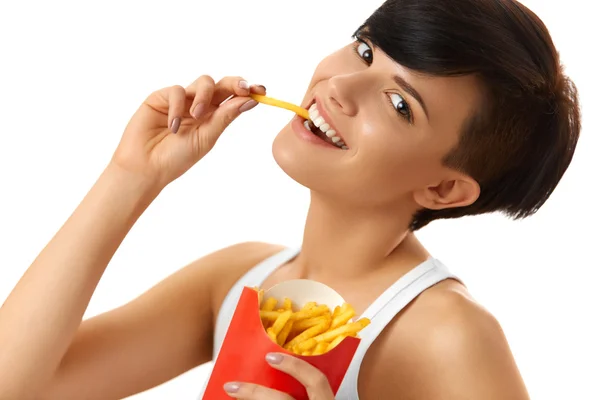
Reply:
x=175, y=124
x=274, y=358
x=231, y=387
x=244, y=85
x=198, y=110
x=249, y=105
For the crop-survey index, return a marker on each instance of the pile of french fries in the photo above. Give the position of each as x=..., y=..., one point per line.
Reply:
x=313, y=330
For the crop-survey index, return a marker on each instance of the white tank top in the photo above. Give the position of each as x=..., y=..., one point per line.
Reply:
x=380, y=312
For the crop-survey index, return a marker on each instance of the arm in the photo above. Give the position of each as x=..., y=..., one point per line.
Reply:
x=40, y=317
x=39, y=320
x=165, y=332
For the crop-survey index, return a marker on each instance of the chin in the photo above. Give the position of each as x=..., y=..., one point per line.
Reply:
x=309, y=164
x=292, y=157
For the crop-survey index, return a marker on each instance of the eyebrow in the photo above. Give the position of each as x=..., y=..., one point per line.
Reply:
x=407, y=87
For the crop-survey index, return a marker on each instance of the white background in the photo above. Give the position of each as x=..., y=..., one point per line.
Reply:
x=72, y=73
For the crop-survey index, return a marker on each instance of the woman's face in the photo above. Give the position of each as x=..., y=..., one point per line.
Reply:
x=396, y=127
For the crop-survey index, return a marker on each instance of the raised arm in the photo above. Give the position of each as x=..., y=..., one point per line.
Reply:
x=40, y=318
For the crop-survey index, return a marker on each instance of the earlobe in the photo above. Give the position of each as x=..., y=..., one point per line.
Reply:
x=459, y=192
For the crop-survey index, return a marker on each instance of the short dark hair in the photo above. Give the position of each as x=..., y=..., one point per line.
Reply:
x=520, y=142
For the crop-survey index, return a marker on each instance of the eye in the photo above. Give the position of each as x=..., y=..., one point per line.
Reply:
x=364, y=52
x=401, y=106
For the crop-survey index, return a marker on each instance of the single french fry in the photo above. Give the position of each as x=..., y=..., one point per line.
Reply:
x=336, y=311
x=281, y=104
x=320, y=349
x=269, y=304
x=285, y=332
x=281, y=321
x=334, y=342
x=287, y=304
x=269, y=315
x=309, y=305
x=272, y=335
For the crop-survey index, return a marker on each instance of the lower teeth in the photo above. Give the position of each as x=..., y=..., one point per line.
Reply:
x=311, y=127
x=317, y=132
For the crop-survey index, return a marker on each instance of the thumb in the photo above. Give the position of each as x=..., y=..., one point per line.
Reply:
x=223, y=116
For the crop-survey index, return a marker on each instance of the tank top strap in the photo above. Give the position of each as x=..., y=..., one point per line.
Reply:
x=385, y=308
x=254, y=277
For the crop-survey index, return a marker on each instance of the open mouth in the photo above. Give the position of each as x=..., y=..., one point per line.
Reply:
x=322, y=129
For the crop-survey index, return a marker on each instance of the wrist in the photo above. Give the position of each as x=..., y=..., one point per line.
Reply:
x=135, y=187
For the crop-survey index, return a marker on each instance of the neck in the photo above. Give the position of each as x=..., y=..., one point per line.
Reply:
x=350, y=241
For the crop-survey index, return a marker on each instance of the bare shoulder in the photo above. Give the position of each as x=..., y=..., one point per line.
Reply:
x=444, y=345
x=229, y=264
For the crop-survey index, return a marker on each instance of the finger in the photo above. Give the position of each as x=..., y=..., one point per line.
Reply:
x=230, y=86
x=314, y=381
x=202, y=91
x=258, y=89
x=176, y=99
x=249, y=391
x=221, y=118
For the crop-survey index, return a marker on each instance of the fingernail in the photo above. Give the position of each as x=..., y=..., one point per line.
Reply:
x=274, y=358
x=250, y=104
x=197, y=113
x=175, y=124
x=263, y=88
x=231, y=387
x=244, y=85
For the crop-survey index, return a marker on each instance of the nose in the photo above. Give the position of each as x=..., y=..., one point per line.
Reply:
x=343, y=93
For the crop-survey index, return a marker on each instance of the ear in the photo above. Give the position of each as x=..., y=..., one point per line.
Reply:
x=458, y=191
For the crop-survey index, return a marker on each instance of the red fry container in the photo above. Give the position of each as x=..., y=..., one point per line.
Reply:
x=242, y=354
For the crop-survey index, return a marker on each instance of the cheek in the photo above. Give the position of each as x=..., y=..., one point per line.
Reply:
x=406, y=163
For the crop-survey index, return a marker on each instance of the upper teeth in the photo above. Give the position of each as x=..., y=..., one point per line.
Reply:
x=320, y=123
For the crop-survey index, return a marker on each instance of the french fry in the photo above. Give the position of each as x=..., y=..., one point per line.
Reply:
x=336, y=311
x=310, y=312
x=269, y=315
x=308, y=334
x=281, y=104
x=313, y=329
x=342, y=319
x=320, y=348
x=285, y=332
x=280, y=322
x=272, y=334
x=270, y=304
x=304, y=324
x=334, y=342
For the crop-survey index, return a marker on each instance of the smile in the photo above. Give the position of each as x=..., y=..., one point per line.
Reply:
x=322, y=129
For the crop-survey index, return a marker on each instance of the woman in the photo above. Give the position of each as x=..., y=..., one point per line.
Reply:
x=440, y=109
